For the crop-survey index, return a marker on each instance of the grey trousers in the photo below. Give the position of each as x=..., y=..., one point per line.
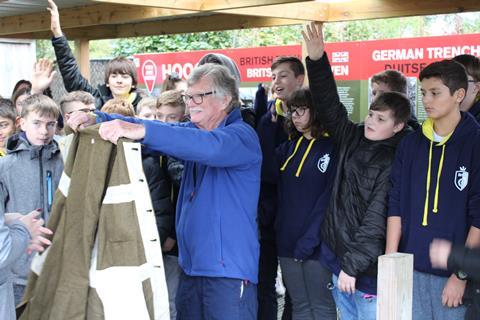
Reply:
x=172, y=275
x=308, y=283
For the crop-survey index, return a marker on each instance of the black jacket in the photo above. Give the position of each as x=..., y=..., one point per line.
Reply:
x=160, y=190
x=73, y=79
x=355, y=223
x=468, y=261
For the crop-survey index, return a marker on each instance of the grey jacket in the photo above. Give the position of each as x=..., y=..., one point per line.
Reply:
x=13, y=242
x=28, y=180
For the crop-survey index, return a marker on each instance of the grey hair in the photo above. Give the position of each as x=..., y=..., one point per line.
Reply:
x=223, y=83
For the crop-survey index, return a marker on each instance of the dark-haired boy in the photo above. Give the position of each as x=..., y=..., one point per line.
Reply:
x=354, y=228
x=120, y=73
x=436, y=190
x=471, y=102
x=288, y=74
x=388, y=81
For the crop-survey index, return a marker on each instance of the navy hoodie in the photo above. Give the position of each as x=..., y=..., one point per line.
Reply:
x=306, y=172
x=449, y=204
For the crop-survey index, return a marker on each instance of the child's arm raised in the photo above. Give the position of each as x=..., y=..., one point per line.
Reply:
x=72, y=78
x=332, y=112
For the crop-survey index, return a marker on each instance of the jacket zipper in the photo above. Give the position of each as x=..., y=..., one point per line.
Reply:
x=42, y=186
x=49, y=190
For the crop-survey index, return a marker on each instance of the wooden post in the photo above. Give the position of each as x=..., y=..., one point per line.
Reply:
x=395, y=287
x=83, y=57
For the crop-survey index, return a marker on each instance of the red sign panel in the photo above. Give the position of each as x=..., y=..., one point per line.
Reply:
x=350, y=60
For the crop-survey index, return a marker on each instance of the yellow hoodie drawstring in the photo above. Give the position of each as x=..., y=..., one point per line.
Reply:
x=427, y=129
x=425, y=209
x=440, y=166
x=297, y=174
x=292, y=155
x=300, y=166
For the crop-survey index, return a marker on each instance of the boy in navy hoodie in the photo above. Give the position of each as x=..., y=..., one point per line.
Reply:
x=354, y=228
x=436, y=190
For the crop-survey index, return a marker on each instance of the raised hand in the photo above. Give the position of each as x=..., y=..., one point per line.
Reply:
x=54, y=19
x=313, y=37
x=42, y=75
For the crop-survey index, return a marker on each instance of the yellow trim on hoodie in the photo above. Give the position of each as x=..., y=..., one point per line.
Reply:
x=292, y=155
x=131, y=97
x=278, y=108
x=428, y=132
x=300, y=166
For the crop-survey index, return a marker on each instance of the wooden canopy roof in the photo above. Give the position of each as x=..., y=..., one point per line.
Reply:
x=104, y=19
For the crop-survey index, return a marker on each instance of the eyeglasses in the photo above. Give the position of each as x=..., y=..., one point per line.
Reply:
x=196, y=98
x=86, y=110
x=296, y=111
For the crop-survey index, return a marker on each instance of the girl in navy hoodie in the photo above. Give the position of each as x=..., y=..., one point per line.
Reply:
x=305, y=175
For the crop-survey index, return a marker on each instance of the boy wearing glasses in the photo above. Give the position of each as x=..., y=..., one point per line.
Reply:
x=31, y=171
x=471, y=102
x=71, y=102
x=354, y=229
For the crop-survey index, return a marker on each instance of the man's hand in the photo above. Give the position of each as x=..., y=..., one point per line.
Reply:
x=42, y=75
x=346, y=283
x=37, y=231
x=80, y=120
x=168, y=244
x=453, y=292
x=313, y=37
x=439, y=252
x=54, y=19
x=116, y=129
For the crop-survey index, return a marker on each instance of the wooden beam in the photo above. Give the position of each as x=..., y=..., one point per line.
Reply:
x=85, y=16
x=216, y=22
x=308, y=11
x=372, y=9
x=82, y=55
x=395, y=286
x=205, y=5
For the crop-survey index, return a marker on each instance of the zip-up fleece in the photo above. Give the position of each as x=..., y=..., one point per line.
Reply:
x=306, y=174
x=436, y=188
x=30, y=176
x=217, y=205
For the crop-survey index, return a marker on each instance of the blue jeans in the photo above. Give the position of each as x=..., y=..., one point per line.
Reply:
x=427, y=299
x=356, y=306
x=208, y=298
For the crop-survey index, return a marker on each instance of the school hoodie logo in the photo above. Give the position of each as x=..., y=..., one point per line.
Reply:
x=323, y=163
x=461, y=178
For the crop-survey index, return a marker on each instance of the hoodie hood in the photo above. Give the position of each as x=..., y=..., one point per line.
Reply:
x=218, y=58
x=19, y=143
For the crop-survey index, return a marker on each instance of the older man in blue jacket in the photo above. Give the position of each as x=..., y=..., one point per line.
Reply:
x=216, y=211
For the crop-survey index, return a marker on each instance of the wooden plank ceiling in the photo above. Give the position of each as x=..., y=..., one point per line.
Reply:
x=102, y=19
